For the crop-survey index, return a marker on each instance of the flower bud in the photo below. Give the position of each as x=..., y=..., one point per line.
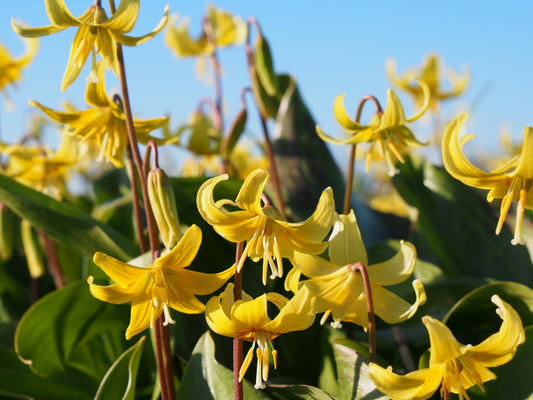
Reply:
x=7, y=230
x=32, y=248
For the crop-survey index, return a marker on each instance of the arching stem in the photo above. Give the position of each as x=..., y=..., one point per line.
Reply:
x=359, y=267
x=237, y=343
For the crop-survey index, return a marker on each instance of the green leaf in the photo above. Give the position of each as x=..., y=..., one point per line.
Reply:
x=352, y=368
x=297, y=392
x=455, y=226
x=206, y=379
x=52, y=334
x=64, y=223
x=119, y=382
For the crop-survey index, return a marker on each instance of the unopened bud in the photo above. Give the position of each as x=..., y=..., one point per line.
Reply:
x=33, y=250
x=7, y=232
x=164, y=207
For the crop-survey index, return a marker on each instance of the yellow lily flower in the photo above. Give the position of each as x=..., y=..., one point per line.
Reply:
x=429, y=73
x=40, y=167
x=266, y=234
x=228, y=30
x=11, y=67
x=95, y=28
x=105, y=123
x=511, y=182
x=453, y=365
x=337, y=289
x=163, y=284
x=386, y=129
x=248, y=319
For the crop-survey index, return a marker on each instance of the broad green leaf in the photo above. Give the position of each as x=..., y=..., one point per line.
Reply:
x=64, y=223
x=206, y=379
x=53, y=333
x=352, y=368
x=455, y=226
x=18, y=381
x=119, y=381
x=299, y=392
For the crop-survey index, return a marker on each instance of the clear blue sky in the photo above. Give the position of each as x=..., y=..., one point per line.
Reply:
x=336, y=48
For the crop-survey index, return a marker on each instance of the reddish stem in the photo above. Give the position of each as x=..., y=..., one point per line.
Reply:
x=237, y=343
x=53, y=261
x=359, y=267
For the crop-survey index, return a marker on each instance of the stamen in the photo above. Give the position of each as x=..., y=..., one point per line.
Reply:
x=246, y=362
x=325, y=317
x=168, y=318
x=392, y=147
x=259, y=384
x=504, y=208
x=267, y=255
x=520, y=218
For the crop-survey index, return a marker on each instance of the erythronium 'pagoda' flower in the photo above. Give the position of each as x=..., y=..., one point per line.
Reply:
x=165, y=283
x=40, y=167
x=95, y=28
x=267, y=235
x=386, y=130
x=104, y=123
x=11, y=67
x=511, y=182
x=227, y=30
x=337, y=288
x=247, y=319
x=430, y=74
x=453, y=365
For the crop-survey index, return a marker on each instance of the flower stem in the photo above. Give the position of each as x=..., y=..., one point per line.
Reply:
x=237, y=343
x=351, y=162
x=445, y=393
x=370, y=310
x=53, y=261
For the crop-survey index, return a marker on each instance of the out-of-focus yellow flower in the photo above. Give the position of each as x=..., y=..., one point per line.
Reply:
x=511, y=182
x=337, y=288
x=453, y=365
x=430, y=74
x=11, y=67
x=165, y=283
x=248, y=319
x=105, y=123
x=387, y=130
x=203, y=137
x=95, y=28
x=40, y=167
x=266, y=234
x=227, y=29
x=243, y=162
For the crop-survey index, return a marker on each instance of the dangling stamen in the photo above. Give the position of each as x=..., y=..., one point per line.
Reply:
x=168, y=318
x=268, y=256
x=246, y=362
x=259, y=384
x=520, y=208
x=325, y=317
x=506, y=203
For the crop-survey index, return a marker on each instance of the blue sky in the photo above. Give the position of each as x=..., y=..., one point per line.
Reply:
x=336, y=48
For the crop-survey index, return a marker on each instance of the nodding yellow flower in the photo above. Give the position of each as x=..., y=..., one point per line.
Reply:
x=11, y=67
x=452, y=365
x=430, y=74
x=248, y=319
x=95, y=28
x=227, y=30
x=105, y=123
x=40, y=167
x=387, y=131
x=337, y=288
x=511, y=182
x=267, y=234
x=163, y=284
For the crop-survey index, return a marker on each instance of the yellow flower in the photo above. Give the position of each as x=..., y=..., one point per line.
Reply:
x=248, y=319
x=165, y=283
x=453, y=365
x=430, y=74
x=227, y=30
x=40, y=167
x=511, y=182
x=337, y=288
x=95, y=28
x=105, y=123
x=266, y=234
x=386, y=130
x=11, y=67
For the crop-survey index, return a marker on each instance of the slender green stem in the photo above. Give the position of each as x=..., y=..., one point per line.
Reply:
x=237, y=343
x=351, y=162
x=53, y=261
x=359, y=267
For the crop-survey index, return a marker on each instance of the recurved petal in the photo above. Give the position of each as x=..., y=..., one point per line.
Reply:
x=427, y=101
x=393, y=309
x=182, y=255
x=444, y=345
x=95, y=93
x=122, y=274
x=136, y=40
x=313, y=266
x=416, y=385
x=500, y=347
x=393, y=115
x=456, y=162
x=346, y=244
x=525, y=167
x=203, y=284
x=339, y=111
x=182, y=300
x=397, y=269
x=296, y=315
x=249, y=197
x=35, y=32
x=59, y=14
x=81, y=47
x=142, y=311
x=124, y=18
x=110, y=294
x=218, y=311
x=251, y=314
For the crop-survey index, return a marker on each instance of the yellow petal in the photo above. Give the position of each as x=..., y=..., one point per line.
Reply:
x=218, y=312
x=249, y=197
x=59, y=14
x=95, y=93
x=397, y=269
x=182, y=255
x=425, y=105
x=416, y=385
x=525, y=167
x=444, y=345
x=110, y=294
x=342, y=116
x=251, y=313
x=203, y=284
x=79, y=51
x=36, y=32
x=313, y=266
x=142, y=312
x=393, y=309
x=500, y=347
x=122, y=274
x=124, y=18
x=134, y=41
x=296, y=315
x=346, y=245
